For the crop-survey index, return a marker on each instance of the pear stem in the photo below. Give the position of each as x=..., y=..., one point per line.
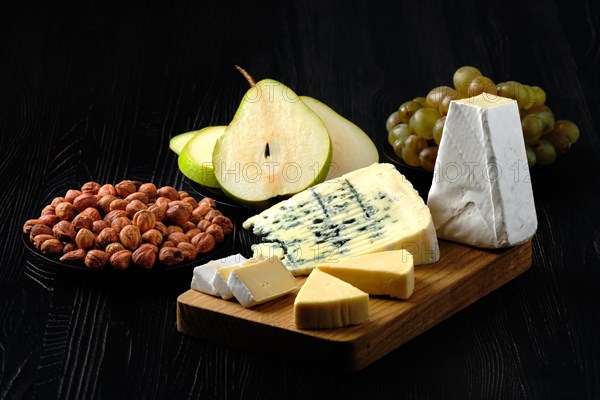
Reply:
x=246, y=75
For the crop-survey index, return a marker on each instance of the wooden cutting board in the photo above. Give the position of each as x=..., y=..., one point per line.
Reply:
x=461, y=276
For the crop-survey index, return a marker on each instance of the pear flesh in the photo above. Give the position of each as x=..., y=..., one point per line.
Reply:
x=352, y=147
x=195, y=159
x=274, y=146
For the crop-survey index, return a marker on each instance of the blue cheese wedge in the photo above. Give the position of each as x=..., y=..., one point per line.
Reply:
x=203, y=275
x=325, y=301
x=369, y=210
x=481, y=193
x=389, y=273
x=261, y=280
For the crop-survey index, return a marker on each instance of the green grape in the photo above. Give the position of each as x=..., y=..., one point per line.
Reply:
x=462, y=79
x=392, y=121
x=445, y=103
x=539, y=96
x=399, y=132
x=435, y=95
x=559, y=140
x=545, y=114
x=481, y=84
x=545, y=153
x=421, y=100
x=508, y=89
x=422, y=121
x=531, y=158
x=532, y=129
x=427, y=156
x=570, y=129
x=407, y=109
x=525, y=96
x=438, y=128
x=411, y=150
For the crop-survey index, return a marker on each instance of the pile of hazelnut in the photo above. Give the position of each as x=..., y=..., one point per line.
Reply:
x=127, y=225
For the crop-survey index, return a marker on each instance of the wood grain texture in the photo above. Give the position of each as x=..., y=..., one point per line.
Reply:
x=462, y=276
x=94, y=90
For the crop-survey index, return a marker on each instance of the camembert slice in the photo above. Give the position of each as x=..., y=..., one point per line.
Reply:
x=203, y=275
x=389, y=273
x=325, y=301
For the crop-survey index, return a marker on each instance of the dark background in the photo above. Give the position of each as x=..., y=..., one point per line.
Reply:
x=94, y=91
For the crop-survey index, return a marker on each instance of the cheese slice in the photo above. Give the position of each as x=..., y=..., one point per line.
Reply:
x=369, y=210
x=389, y=273
x=325, y=301
x=481, y=193
x=260, y=281
x=203, y=275
x=219, y=281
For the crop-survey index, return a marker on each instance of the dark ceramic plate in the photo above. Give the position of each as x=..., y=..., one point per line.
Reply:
x=214, y=193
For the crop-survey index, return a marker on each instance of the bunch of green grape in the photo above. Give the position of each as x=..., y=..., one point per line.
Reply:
x=415, y=129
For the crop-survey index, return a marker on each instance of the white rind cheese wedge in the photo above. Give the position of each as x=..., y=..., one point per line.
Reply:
x=203, y=274
x=369, y=210
x=260, y=281
x=389, y=273
x=220, y=281
x=325, y=301
x=481, y=193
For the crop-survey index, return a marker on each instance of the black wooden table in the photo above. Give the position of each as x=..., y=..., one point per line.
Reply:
x=94, y=91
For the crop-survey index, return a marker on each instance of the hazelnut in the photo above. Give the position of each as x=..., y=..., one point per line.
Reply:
x=120, y=259
x=92, y=212
x=97, y=226
x=201, y=211
x=69, y=247
x=208, y=201
x=188, y=225
x=65, y=211
x=174, y=228
x=96, y=259
x=85, y=239
x=191, y=201
x=182, y=194
x=38, y=240
x=168, y=192
x=125, y=188
x=64, y=231
x=104, y=203
x=170, y=256
x=57, y=200
x=183, y=203
x=212, y=214
x=49, y=209
x=134, y=206
x=130, y=237
x=145, y=220
x=144, y=257
x=48, y=219
x=224, y=223
x=178, y=237
x=149, y=189
x=188, y=249
x=82, y=221
x=202, y=225
x=112, y=248
x=71, y=195
x=142, y=197
x=84, y=201
x=204, y=242
x=163, y=202
x=158, y=211
x=178, y=214
x=51, y=247
x=153, y=236
x=29, y=224
x=90, y=187
x=118, y=204
x=217, y=232
x=193, y=232
x=107, y=190
x=119, y=223
x=39, y=229
x=114, y=214
x=106, y=237
x=162, y=228
x=73, y=256
x=167, y=243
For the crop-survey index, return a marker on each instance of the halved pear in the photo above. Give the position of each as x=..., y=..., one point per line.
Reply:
x=352, y=147
x=195, y=159
x=177, y=143
x=274, y=146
